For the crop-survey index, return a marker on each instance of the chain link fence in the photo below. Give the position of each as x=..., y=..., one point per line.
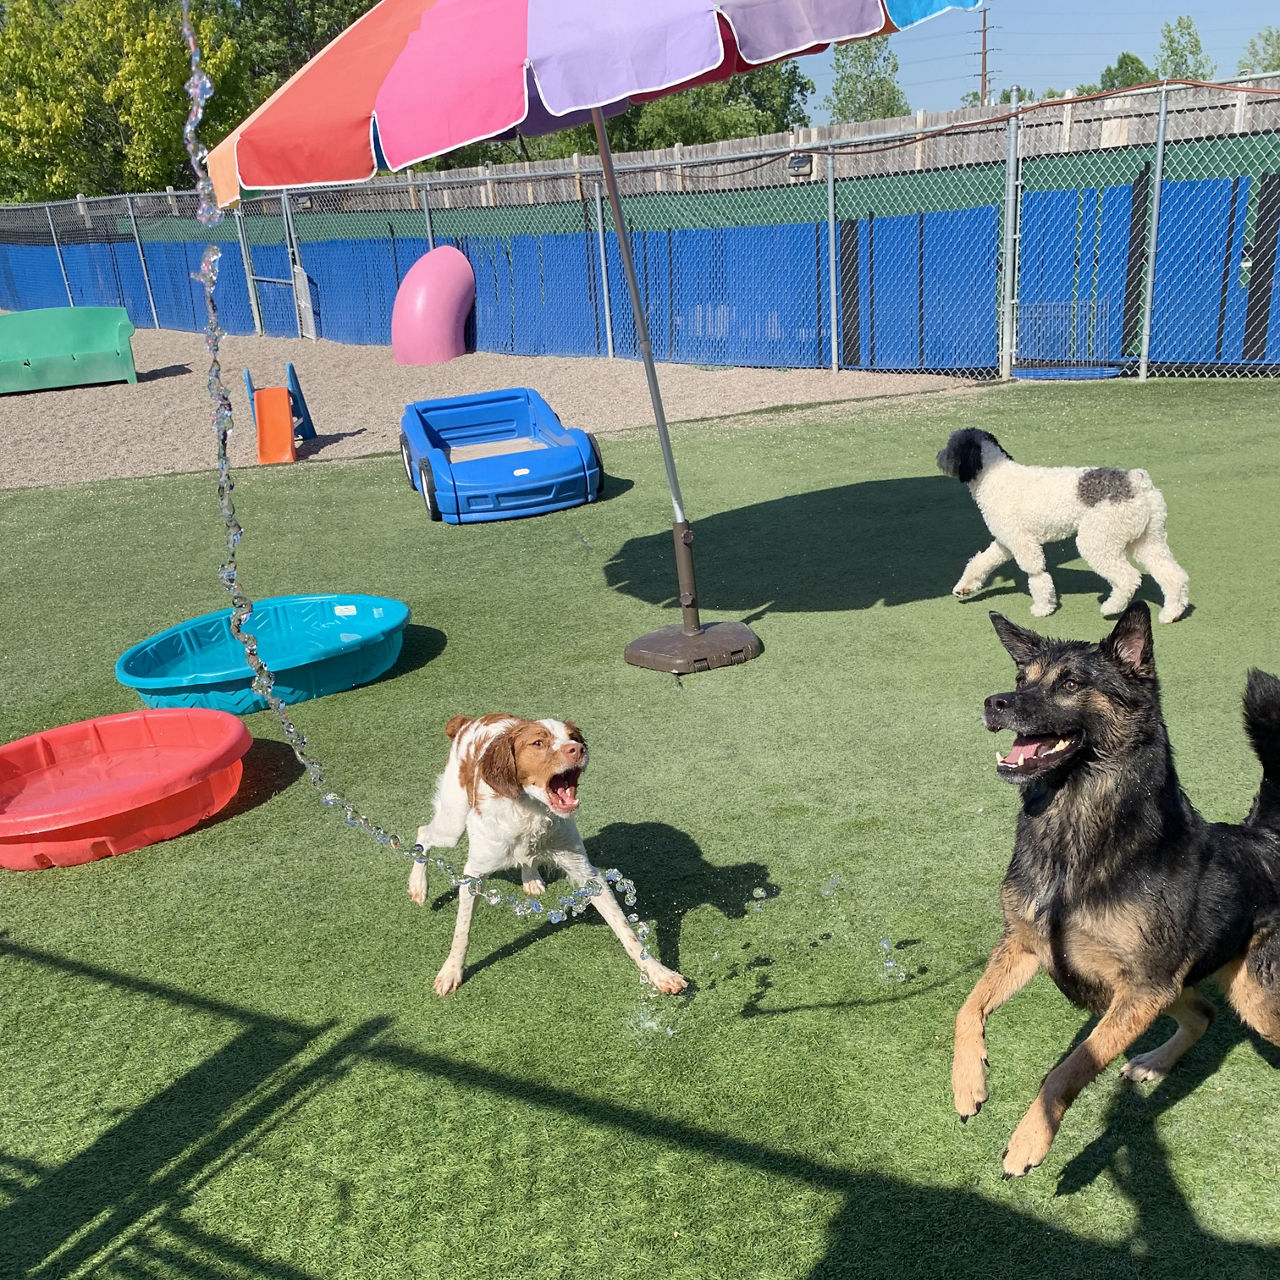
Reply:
x=1130, y=232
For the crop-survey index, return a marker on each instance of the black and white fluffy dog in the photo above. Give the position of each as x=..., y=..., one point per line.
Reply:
x=1113, y=515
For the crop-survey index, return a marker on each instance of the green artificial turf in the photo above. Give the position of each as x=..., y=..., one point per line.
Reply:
x=222, y=1056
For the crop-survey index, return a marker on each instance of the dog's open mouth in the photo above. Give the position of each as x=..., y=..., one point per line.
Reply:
x=562, y=791
x=1034, y=754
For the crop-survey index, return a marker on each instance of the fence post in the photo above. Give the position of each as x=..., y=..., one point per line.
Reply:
x=1012, y=215
x=57, y=248
x=831, y=254
x=142, y=260
x=250, y=279
x=297, y=273
x=604, y=273
x=1157, y=181
x=426, y=213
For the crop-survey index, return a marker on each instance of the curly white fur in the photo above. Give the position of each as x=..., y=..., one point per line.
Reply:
x=1114, y=515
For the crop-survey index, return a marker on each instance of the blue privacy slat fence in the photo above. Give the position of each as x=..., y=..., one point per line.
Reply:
x=913, y=290
x=919, y=291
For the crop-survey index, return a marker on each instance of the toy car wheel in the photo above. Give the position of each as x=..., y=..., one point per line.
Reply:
x=407, y=458
x=599, y=460
x=428, y=482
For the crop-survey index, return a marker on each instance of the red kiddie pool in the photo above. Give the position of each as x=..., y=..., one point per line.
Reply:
x=99, y=787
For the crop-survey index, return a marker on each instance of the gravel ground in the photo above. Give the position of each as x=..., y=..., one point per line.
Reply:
x=356, y=396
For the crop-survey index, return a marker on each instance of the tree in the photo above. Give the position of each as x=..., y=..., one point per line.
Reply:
x=278, y=36
x=866, y=83
x=1128, y=69
x=92, y=96
x=1181, y=55
x=1262, y=53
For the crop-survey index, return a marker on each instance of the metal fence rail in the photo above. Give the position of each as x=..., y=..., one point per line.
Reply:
x=1134, y=232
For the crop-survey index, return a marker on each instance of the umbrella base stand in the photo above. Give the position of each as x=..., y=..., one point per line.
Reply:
x=717, y=644
x=691, y=646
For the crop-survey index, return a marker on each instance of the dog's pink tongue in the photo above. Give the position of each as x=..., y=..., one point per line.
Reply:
x=1023, y=750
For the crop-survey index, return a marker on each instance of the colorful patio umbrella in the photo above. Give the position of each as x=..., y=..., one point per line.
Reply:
x=414, y=79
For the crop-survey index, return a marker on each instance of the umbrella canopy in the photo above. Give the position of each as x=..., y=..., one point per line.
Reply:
x=414, y=79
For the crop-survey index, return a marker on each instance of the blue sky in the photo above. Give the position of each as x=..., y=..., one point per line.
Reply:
x=1043, y=44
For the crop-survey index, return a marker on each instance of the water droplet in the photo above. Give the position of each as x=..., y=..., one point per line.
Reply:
x=758, y=893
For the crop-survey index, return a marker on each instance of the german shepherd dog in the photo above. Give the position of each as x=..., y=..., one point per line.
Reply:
x=1118, y=888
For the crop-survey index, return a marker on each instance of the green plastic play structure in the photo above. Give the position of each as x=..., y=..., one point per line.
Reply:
x=65, y=347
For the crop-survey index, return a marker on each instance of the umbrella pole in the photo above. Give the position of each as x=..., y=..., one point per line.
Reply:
x=690, y=646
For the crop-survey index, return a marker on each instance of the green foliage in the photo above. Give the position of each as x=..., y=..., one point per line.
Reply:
x=92, y=98
x=1262, y=53
x=1181, y=55
x=1128, y=69
x=866, y=83
x=278, y=36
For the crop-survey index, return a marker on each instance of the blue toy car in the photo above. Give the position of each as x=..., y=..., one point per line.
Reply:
x=496, y=456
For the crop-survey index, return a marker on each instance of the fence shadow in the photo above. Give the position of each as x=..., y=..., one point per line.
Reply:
x=122, y=1200
x=888, y=542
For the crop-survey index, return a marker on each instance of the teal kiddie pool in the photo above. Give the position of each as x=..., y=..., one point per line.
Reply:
x=313, y=645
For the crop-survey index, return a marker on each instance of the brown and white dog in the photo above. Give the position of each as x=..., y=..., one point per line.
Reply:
x=512, y=786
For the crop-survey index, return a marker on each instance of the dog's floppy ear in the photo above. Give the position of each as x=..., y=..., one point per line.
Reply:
x=498, y=766
x=455, y=726
x=962, y=456
x=1022, y=645
x=1130, y=644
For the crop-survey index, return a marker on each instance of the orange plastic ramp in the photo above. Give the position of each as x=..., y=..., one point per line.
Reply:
x=274, y=412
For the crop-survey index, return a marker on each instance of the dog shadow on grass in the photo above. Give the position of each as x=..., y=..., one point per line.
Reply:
x=855, y=546
x=671, y=877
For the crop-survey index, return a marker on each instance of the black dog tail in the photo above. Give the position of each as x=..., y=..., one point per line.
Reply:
x=1262, y=723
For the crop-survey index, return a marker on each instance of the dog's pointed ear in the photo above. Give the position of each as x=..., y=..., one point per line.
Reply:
x=1021, y=643
x=498, y=766
x=1130, y=643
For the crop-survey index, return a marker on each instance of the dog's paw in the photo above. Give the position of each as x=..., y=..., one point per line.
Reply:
x=1044, y=609
x=969, y=1084
x=448, y=979
x=1172, y=612
x=1030, y=1142
x=1114, y=606
x=533, y=884
x=668, y=981
x=963, y=589
x=418, y=883
x=1146, y=1066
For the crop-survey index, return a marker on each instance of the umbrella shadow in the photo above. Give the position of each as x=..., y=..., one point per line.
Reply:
x=671, y=877
x=876, y=542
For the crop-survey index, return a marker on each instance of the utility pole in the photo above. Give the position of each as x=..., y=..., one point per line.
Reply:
x=982, y=96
